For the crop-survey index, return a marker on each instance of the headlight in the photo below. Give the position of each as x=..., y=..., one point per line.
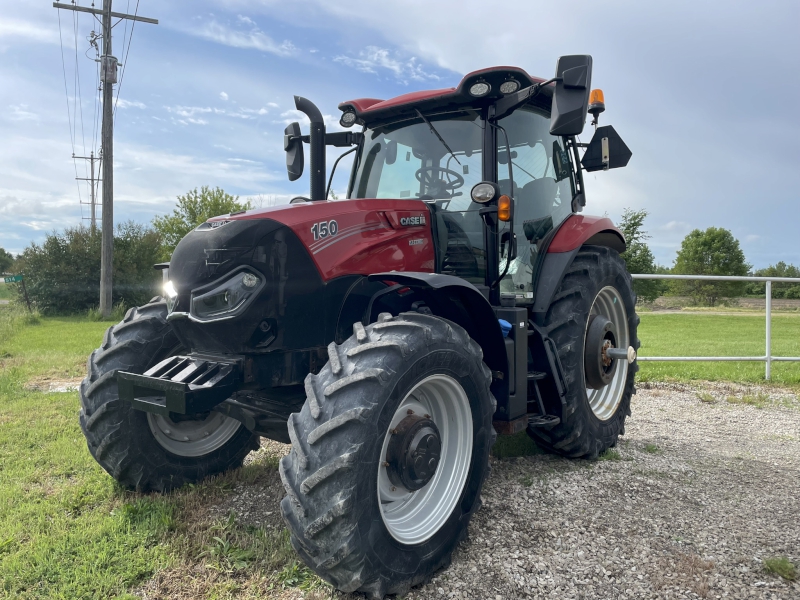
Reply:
x=484, y=192
x=228, y=298
x=170, y=295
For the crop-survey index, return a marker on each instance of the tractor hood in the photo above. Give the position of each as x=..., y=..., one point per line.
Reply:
x=352, y=237
x=299, y=259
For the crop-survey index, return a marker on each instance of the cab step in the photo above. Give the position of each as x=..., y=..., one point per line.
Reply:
x=546, y=421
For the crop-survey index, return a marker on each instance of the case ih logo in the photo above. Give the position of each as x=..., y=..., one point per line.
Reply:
x=408, y=221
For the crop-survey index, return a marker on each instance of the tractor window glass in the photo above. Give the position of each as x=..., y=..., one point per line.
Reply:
x=408, y=160
x=540, y=181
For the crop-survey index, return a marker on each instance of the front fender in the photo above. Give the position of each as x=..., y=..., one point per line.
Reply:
x=461, y=302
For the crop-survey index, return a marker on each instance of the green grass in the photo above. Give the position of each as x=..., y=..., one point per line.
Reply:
x=652, y=449
x=781, y=566
x=519, y=444
x=6, y=293
x=717, y=335
x=610, y=454
x=68, y=531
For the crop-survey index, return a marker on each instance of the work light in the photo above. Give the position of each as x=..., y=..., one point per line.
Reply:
x=348, y=119
x=509, y=87
x=480, y=89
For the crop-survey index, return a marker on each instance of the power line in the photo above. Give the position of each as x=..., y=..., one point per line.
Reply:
x=69, y=120
x=125, y=58
x=108, y=71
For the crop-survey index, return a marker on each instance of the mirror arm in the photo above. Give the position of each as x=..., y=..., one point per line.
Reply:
x=508, y=104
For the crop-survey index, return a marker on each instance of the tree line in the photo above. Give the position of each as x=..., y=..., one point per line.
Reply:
x=714, y=251
x=61, y=273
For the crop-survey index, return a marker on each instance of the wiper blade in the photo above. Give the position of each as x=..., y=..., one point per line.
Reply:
x=436, y=133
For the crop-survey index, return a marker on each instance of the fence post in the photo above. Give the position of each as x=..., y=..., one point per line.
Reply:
x=768, y=373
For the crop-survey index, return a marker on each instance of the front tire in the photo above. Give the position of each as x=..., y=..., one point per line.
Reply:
x=596, y=283
x=143, y=451
x=353, y=524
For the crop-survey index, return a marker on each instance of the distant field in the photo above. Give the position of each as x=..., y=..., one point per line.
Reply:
x=6, y=292
x=676, y=334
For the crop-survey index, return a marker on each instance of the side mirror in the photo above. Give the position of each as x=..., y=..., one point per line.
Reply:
x=571, y=96
x=293, y=144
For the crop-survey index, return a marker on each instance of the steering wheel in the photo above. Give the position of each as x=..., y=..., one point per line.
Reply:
x=428, y=176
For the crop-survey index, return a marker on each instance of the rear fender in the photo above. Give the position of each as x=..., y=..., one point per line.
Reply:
x=457, y=300
x=577, y=231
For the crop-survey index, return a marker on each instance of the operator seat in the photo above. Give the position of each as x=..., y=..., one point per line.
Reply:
x=535, y=199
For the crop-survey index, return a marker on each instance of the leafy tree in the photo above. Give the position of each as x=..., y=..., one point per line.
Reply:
x=638, y=257
x=194, y=207
x=779, y=290
x=6, y=260
x=63, y=274
x=711, y=252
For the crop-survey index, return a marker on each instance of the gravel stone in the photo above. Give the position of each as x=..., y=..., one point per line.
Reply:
x=703, y=491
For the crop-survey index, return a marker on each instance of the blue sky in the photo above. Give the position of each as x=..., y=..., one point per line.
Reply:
x=704, y=93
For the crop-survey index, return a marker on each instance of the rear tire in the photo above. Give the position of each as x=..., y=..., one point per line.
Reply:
x=334, y=475
x=120, y=438
x=591, y=420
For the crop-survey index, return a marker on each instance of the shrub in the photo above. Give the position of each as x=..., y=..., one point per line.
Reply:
x=62, y=274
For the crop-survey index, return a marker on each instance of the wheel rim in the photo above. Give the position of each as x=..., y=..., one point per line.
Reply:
x=604, y=402
x=414, y=517
x=195, y=437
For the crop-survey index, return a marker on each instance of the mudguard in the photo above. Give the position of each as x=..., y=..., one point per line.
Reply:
x=575, y=232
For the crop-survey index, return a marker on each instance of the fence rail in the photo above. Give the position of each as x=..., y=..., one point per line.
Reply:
x=768, y=359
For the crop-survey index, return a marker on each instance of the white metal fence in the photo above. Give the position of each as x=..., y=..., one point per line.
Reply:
x=768, y=359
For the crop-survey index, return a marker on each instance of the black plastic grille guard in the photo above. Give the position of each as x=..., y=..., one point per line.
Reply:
x=181, y=384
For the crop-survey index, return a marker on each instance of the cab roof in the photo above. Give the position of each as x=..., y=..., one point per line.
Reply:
x=369, y=110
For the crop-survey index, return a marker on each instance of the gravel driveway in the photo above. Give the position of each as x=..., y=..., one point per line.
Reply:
x=696, y=495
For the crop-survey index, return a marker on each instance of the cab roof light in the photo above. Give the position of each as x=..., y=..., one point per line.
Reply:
x=480, y=89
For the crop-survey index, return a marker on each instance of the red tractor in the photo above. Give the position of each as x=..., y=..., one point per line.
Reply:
x=457, y=293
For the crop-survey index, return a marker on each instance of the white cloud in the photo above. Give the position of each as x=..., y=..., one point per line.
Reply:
x=752, y=238
x=20, y=112
x=253, y=39
x=223, y=95
x=272, y=105
x=10, y=28
x=373, y=59
x=290, y=116
x=122, y=103
x=188, y=111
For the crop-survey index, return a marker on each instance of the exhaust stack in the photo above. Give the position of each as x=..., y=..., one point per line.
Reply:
x=317, y=146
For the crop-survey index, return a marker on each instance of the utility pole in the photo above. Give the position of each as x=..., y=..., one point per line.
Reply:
x=93, y=188
x=108, y=70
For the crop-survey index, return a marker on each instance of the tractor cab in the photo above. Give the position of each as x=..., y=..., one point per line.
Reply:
x=498, y=126
x=406, y=159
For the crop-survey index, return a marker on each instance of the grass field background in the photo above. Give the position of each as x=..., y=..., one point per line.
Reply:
x=68, y=531
x=676, y=334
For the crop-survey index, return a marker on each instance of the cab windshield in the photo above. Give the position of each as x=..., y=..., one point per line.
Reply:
x=408, y=160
